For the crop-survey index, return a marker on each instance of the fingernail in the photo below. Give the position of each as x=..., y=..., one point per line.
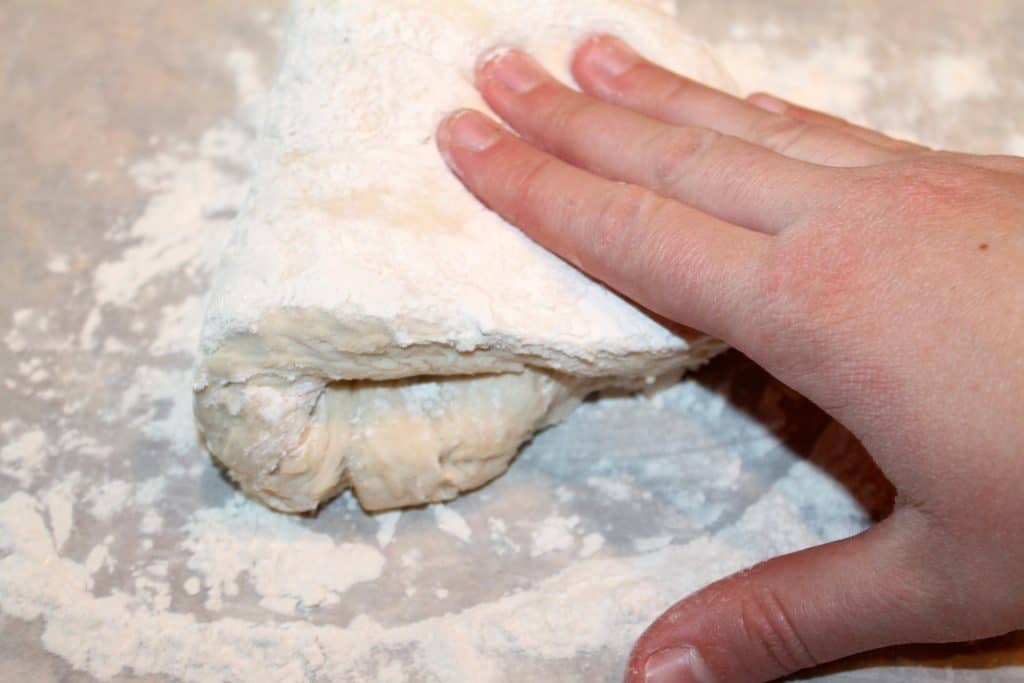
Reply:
x=611, y=56
x=768, y=103
x=469, y=130
x=677, y=665
x=513, y=69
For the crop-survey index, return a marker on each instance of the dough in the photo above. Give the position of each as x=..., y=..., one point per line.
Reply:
x=371, y=325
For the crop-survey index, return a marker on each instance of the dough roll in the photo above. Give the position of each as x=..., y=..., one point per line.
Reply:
x=371, y=325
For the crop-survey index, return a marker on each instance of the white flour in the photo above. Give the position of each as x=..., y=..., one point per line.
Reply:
x=283, y=562
x=23, y=457
x=117, y=535
x=452, y=523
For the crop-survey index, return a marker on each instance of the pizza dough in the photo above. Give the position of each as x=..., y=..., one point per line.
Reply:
x=371, y=325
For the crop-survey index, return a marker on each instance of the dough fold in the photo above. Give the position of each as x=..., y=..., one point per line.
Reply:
x=371, y=325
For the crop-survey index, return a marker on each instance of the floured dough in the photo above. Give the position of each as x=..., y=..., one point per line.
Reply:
x=371, y=324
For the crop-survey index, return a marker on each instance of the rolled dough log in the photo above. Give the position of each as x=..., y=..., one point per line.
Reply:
x=371, y=325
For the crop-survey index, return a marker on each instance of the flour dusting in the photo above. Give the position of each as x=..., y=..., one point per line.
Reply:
x=288, y=566
x=133, y=556
x=23, y=456
x=957, y=77
x=451, y=522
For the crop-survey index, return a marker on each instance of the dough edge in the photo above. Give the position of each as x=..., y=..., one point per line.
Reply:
x=304, y=406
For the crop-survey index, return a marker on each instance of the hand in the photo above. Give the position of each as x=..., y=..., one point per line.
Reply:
x=882, y=280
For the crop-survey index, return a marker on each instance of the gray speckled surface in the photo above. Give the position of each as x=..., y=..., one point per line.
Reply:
x=90, y=89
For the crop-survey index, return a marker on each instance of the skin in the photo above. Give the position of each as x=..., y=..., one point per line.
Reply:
x=881, y=279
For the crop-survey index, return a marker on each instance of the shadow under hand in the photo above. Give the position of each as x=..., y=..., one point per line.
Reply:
x=802, y=427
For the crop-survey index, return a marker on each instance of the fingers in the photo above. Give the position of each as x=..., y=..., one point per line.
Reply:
x=794, y=612
x=607, y=68
x=673, y=259
x=775, y=105
x=1002, y=163
x=719, y=174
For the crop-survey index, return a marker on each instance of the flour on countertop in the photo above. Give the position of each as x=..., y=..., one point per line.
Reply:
x=957, y=77
x=451, y=522
x=288, y=566
x=592, y=543
x=121, y=541
x=24, y=455
x=554, y=533
x=388, y=522
x=1015, y=145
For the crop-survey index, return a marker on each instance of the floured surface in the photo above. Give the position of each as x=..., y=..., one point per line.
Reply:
x=124, y=555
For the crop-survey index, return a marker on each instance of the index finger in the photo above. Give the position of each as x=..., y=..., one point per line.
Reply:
x=675, y=260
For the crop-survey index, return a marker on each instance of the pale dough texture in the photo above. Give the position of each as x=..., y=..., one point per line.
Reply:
x=373, y=326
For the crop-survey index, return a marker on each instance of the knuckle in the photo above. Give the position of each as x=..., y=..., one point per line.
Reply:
x=925, y=186
x=618, y=218
x=677, y=151
x=779, y=133
x=678, y=91
x=814, y=282
x=616, y=231
x=766, y=624
x=561, y=112
x=815, y=275
x=529, y=190
x=542, y=97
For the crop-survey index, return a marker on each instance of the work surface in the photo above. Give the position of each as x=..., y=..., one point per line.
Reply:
x=125, y=132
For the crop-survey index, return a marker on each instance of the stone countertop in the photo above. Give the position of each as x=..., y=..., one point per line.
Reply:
x=124, y=132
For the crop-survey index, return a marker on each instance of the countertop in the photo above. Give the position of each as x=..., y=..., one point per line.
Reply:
x=125, y=554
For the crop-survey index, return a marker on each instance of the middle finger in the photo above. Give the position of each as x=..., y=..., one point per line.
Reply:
x=719, y=174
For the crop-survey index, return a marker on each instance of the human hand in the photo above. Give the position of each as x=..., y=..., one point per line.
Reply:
x=881, y=279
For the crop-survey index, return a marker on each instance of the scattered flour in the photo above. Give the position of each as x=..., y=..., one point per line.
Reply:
x=288, y=566
x=223, y=590
x=595, y=603
x=650, y=543
x=958, y=77
x=24, y=457
x=451, y=522
x=58, y=263
x=388, y=522
x=159, y=403
x=592, y=543
x=109, y=498
x=152, y=522
x=1015, y=145
x=501, y=542
x=60, y=508
x=612, y=489
x=21, y=320
x=91, y=326
x=178, y=325
x=834, y=77
x=555, y=533
x=150, y=492
x=99, y=558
